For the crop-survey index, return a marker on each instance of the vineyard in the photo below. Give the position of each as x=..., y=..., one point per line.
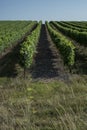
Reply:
x=69, y=38
x=42, y=68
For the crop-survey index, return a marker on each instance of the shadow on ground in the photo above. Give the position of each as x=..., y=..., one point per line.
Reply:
x=8, y=63
x=81, y=62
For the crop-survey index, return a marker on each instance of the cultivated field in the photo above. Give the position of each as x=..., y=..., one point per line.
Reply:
x=43, y=75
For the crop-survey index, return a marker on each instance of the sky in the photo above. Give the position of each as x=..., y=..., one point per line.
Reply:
x=60, y=10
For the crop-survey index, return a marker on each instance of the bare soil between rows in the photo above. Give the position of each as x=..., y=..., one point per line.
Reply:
x=48, y=63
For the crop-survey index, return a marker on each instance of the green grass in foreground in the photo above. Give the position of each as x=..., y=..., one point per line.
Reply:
x=27, y=105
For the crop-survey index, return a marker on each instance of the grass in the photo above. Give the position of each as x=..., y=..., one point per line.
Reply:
x=55, y=105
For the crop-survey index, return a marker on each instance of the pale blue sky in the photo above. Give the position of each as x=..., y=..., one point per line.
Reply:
x=43, y=10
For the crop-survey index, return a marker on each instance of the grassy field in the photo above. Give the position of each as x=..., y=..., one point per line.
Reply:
x=35, y=105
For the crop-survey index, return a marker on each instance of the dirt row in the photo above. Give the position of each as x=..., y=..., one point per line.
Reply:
x=48, y=63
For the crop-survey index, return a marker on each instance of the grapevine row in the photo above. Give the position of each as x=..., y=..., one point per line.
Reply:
x=81, y=25
x=66, y=47
x=80, y=37
x=28, y=47
x=72, y=27
x=12, y=31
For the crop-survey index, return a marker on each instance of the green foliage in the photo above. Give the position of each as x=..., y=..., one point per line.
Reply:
x=28, y=48
x=75, y=34
x=80, y=25
x=73, y=27
x=11, y=31
x=66, y=47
